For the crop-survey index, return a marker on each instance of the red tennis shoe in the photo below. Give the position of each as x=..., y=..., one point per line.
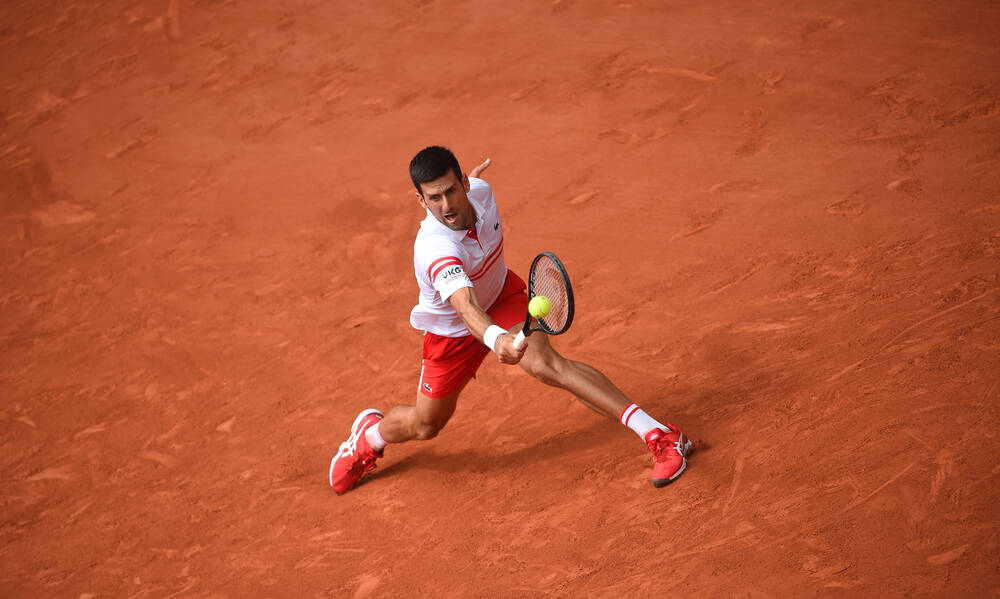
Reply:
x=355, y=457
x=670, y=448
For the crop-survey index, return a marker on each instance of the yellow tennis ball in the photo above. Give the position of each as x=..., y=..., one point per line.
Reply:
x=539, y=306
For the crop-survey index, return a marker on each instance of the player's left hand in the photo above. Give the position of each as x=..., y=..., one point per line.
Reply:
x=478, y=171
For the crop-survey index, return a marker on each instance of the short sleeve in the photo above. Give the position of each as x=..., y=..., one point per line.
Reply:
x=447, y=275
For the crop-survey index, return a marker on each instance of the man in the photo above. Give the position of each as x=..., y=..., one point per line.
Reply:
x=471, y=304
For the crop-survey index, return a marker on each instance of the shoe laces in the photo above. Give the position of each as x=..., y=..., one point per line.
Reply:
x=365, y=464
x=662, y=444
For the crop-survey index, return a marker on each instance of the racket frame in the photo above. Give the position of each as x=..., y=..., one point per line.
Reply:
x=527, y=329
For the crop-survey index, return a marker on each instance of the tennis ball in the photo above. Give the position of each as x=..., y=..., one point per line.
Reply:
x=539, y=306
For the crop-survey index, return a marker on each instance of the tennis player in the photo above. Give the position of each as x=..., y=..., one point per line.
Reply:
x=471, y=304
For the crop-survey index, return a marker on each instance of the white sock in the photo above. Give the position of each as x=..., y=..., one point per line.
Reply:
x=639, y=421
x=374, y=437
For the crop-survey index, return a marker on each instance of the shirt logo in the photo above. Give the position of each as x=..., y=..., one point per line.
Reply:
x=454, y=270
x=428, y=388
x=496, y=225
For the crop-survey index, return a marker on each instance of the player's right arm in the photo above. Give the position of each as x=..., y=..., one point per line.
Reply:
x=476, y=319
x=441, y=264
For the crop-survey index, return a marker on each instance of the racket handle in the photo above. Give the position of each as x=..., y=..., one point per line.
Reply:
x=520, y=340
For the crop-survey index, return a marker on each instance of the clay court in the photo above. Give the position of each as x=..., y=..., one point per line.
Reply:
x=782, y=221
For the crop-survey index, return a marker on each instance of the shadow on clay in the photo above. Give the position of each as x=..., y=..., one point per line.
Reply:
x=481, y=460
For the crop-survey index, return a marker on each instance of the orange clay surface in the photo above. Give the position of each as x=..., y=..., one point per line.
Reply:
x=782, y=223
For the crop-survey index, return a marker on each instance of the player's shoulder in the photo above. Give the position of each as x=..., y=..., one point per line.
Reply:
x=479, y=190
x=481, y=194
x=478, y=184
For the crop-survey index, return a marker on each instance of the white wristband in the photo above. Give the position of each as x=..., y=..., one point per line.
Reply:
x=491, y=334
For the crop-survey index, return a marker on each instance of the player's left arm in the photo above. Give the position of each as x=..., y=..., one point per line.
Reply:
x=477, y=321
x=478, y=171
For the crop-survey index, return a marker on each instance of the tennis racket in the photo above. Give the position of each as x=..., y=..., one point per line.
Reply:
x=548, y=278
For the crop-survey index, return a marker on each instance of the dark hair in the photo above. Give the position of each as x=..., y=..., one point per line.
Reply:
x=432, y=163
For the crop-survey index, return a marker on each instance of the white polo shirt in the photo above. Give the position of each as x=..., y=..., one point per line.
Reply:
x=444, y=261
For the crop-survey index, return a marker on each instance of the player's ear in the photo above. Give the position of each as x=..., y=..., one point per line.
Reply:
x=420, y=198
x=465, y=183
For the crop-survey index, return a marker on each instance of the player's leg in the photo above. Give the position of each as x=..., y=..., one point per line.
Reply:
x=588, y=384
x=417, y=422
x=667, y=443
x=448, y=365
x=372, y=431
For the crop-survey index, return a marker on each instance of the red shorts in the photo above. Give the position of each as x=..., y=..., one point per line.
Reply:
x=450, y=361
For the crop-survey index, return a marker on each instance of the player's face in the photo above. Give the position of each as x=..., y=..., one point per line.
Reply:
x=448, y=200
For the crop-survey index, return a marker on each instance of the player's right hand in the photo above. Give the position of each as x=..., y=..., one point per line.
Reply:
x=505, y=350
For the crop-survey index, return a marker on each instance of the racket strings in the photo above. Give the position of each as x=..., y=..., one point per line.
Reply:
x=548, y=280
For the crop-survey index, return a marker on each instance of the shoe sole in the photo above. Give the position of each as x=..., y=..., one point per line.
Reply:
x=354, y=427
x=662, y=482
